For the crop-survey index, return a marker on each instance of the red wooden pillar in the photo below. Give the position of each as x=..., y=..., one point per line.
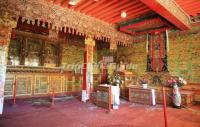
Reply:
x=164, y=106
x=160, y=52
x=84, y=83
x=88, y=69
x=162, y=48
x=152, y=52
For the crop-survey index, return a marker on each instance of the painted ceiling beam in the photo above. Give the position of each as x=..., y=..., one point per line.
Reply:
x=78, y=4
x=57, y=1
x=102, y=7
x=97, y=4
x=191, y=6
x=194, y=12
x=115, y=9
x=118, y=10
x=171, y=12
x=82, y=6
x=65, y=3
x=185, y=2
x=128, y=11
x=129, y=16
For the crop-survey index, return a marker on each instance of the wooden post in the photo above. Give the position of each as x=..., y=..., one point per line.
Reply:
x=164, y=106
x=53, y=94
x=109, y=98
x=14, y=91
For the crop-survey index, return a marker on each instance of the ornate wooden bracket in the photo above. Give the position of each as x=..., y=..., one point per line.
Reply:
x=171, y=11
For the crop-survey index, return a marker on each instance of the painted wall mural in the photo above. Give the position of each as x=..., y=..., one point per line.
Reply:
x=134, y=56
x=184, y=56
x=73, y=54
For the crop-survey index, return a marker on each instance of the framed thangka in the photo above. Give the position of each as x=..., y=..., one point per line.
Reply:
x=51, y=55
x=157, y=52
x=14, y=52
x=32, y=51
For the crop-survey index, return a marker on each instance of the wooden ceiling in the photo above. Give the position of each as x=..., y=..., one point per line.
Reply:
x=110, y=10
x=107, y=10
x=191, y=7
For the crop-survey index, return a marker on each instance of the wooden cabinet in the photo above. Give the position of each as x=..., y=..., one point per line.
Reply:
x=129, y=78
x=23, y=84
x=195, y=88
x=35, y=81
x=143, y=96
x=8, y=89
x=159, y=95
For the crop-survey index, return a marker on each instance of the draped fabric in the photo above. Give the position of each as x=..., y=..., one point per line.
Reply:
x=156, y=57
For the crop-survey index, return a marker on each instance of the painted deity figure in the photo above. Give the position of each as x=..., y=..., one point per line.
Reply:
x=122, y=66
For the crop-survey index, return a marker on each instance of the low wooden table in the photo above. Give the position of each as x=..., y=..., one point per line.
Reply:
x=140, y=95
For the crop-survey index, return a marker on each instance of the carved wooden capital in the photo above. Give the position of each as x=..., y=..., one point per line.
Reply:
x=6, y=20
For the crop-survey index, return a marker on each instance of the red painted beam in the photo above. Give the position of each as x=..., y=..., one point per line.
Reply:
x=165, y=12
x=57, y=1
x=185, y=2
x=194, y=12
x=129, y=16
x=131, y=11
x=189, y=6
x=128, y=11
x=144, y=32
x=127, y=31
x=95, y=5
x=102, y=7
x=112, y=8
x=119, y=9
x=84, y=5
x=192, y=7
x=139, y=24
x=197, y=9
x=65, y=3
x=77, y=5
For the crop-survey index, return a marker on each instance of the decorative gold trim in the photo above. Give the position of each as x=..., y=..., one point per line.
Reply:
x=58, y=17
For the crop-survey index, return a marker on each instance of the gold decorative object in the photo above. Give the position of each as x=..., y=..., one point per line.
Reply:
x=176, y=10
x=58, y=17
